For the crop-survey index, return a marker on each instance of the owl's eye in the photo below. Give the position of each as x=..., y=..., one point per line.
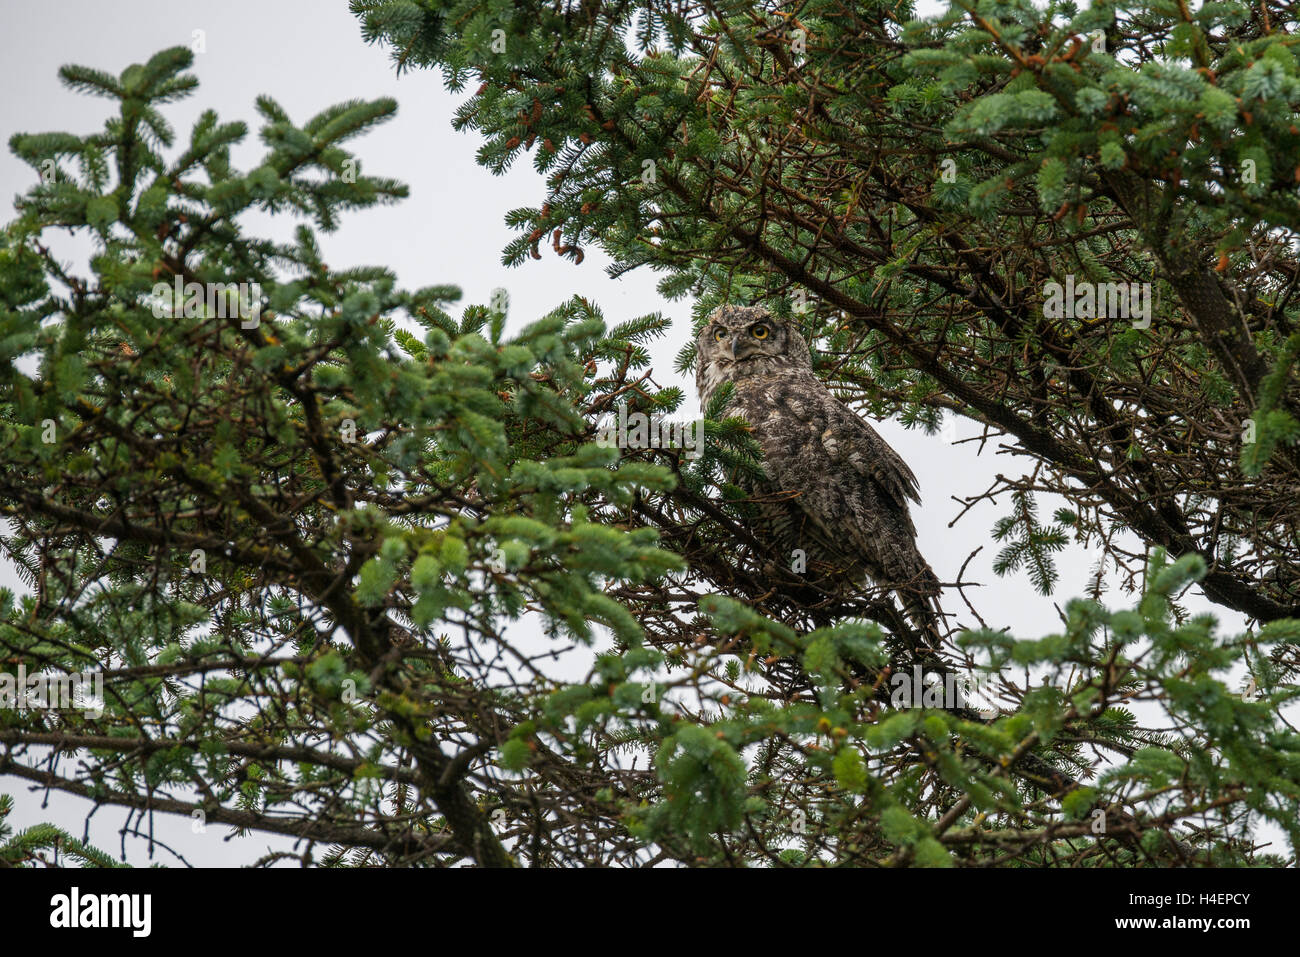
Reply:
x=759, y=331
x=719, y=335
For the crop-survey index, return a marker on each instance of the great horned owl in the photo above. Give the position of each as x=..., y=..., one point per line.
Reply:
x=835, y=488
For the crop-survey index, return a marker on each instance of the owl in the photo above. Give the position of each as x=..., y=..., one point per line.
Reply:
x=835, y=499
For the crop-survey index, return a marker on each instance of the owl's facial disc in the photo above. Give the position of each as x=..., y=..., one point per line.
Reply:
x=752, y=340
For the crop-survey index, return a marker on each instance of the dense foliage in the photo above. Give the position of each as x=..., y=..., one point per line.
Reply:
x=355, y=571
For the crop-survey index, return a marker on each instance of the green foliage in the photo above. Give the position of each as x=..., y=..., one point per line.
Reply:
x=45, y=845
x=356, y=563
x=320, y=494
x=1029, y=544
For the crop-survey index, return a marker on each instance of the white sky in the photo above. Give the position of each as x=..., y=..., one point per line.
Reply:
x=309, y=55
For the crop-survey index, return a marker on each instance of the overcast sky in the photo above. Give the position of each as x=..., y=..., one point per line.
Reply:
x=308, y=54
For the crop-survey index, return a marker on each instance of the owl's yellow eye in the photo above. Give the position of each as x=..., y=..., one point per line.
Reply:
x=719, y=335
x=759, y=331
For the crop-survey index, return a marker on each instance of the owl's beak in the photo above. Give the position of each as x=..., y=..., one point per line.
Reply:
x=741, y=347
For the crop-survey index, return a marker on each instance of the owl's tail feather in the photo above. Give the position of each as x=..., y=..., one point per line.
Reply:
x=920, y=597
x=926, y=617
x=918, y=624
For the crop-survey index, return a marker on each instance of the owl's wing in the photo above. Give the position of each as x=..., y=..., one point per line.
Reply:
x=850, y=440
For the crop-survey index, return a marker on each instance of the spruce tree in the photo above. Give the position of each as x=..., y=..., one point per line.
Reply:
x=299, y=526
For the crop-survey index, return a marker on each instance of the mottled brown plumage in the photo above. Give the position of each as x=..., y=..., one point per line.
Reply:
x=835, y=488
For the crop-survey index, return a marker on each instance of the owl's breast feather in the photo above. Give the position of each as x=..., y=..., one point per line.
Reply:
x=786, y=421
